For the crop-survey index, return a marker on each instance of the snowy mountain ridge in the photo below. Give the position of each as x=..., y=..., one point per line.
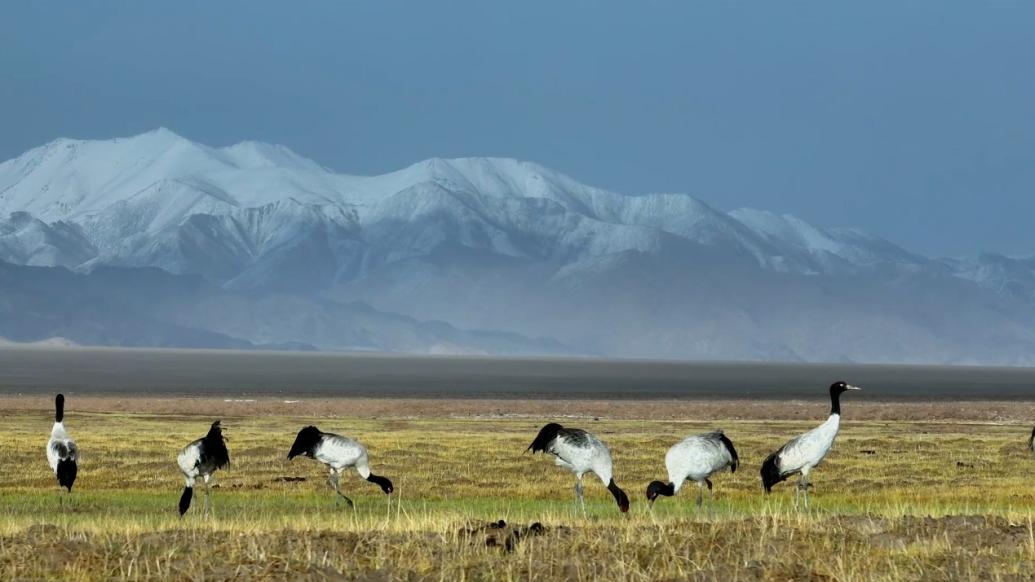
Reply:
x=134, y=201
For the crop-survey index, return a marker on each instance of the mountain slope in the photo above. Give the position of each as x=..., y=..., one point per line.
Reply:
x=1002, y=276
x=115, y=306
x=829, y=251
x=287, y=247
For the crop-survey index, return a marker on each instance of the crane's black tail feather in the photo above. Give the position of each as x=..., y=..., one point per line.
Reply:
x=188, y=493
x=771, y=473
x=66, y=472
x=733, y=452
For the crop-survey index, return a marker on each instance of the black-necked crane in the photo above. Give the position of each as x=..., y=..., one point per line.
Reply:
x=62, y=452
x=201, y=458
x=695, y=458
x=802, y=453
x=580, y=452
x=338, y=453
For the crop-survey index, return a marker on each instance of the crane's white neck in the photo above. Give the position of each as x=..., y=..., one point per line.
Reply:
x=832, y=424
x=58, y=430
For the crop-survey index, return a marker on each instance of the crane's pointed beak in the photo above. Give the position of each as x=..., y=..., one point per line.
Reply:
x=850, y=387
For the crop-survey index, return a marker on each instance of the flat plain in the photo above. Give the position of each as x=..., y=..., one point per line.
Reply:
x=931, y=489
x=136, y=372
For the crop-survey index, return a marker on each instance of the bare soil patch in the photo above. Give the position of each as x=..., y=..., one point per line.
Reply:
x=500, y=534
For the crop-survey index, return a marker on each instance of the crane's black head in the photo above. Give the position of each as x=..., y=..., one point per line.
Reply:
x=620, y=497
x=383, y=482
x=841, y=387
x=658, y=488
x=836, y=389
x=215, y=432
x=544, y=438
x=214, y=446
x=306, y=442
x=59, y=408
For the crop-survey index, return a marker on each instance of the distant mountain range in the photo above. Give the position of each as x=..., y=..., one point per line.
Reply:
x=169, y=242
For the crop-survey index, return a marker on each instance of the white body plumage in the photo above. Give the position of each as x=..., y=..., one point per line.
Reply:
x=801, y=454
x=340, y=453
x=189, y=462
x=60, y=446
x=583, y=453
x=696, y=458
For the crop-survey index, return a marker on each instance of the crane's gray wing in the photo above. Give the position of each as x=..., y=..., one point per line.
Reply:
x=794, y=455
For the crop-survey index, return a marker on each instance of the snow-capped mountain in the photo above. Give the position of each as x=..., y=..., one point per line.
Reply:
x=492, y=243
x=242, y=214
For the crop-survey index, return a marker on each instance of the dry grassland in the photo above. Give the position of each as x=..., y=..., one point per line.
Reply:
x=929, y=491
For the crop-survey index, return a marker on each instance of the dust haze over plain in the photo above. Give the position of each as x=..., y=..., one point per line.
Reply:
x=265, y=375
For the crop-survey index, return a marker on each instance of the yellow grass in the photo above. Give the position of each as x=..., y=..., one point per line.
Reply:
x=895, y=500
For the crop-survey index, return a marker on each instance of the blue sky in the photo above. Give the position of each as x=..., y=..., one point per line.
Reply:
x=912, y=120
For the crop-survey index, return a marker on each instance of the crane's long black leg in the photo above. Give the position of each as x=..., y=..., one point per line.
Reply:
x=710, y=498
x=335, y=478
x=579, y=501
x=208, y=491
x=700, y=495
x=330, y=481
x=347, y=500
x=802, y=490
